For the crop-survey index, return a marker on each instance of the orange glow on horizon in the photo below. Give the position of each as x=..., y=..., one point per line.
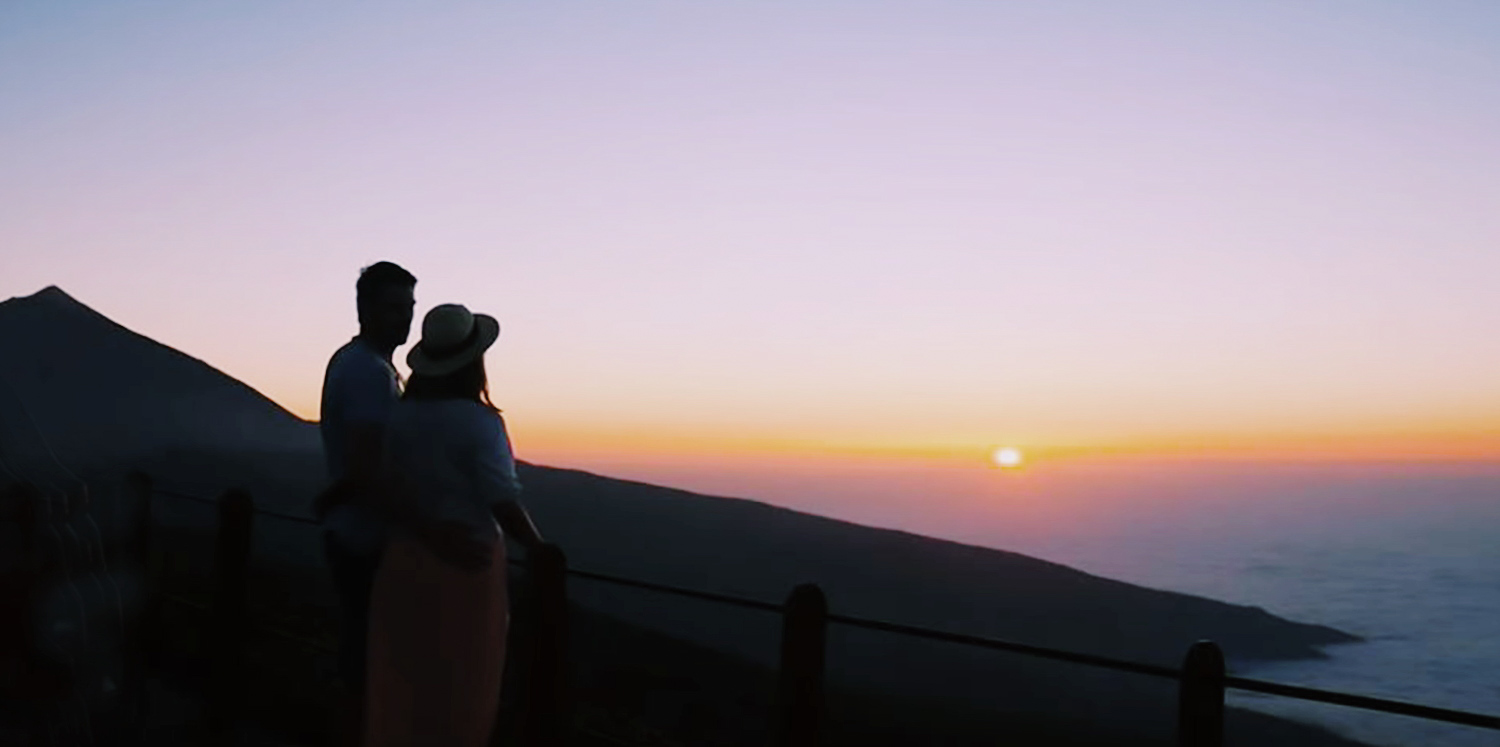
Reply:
x=1461, y=447
x=557, y=443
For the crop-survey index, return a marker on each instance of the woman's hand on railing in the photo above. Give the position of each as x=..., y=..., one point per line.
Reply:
x=517, y=524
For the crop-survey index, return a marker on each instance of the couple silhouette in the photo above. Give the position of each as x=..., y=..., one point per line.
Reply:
x=423, y=492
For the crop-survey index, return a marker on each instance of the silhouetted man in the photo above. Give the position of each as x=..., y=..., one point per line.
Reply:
x=360, y=388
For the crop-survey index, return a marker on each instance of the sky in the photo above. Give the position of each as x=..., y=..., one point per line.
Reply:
x=802, y=231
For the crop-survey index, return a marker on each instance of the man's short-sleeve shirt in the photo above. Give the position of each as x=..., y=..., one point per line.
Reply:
x=360, y=388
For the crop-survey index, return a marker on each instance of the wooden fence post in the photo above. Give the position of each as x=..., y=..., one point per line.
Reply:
x=39, y=681
x=546, y=716
x=1200, y=704
x=18, y=607
x=799, y=701
x=227, y=636
x=146, y=629
x=17, y=604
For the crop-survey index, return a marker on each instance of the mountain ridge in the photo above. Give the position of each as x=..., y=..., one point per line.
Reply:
x=60, y=299
x=63, y=360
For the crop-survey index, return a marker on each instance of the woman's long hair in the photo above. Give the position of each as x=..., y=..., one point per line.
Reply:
x=468, y=383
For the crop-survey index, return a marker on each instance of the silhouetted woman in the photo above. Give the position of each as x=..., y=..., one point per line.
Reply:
x=439, y=611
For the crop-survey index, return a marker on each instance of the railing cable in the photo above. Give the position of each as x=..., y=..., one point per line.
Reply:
x=1363, y=702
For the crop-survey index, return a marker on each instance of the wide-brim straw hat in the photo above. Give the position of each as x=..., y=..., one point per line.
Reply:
x=452, y=337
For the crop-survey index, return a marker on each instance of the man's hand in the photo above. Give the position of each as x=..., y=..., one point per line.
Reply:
x=454, y=542
x=333, y=495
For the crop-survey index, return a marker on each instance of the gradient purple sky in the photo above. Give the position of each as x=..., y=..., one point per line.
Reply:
x=716, y=228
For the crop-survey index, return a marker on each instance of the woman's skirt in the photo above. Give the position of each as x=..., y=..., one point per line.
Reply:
x=436, y=650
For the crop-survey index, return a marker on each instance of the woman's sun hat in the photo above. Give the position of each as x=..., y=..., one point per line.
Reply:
x=452, y=337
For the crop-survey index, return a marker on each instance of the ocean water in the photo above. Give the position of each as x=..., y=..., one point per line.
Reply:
x=1406, y=556
x=1410, y=561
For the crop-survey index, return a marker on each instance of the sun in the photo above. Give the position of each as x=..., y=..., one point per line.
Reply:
x=1007, y=456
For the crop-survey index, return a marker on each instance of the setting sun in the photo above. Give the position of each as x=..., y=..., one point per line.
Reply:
x=1007, y=457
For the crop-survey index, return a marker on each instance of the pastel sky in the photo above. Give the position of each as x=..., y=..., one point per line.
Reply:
x=728, y=227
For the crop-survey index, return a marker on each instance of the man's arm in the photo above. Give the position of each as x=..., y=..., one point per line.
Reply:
x=364, y=391
x=374, y=488
x=361, y=482
x=366, y=449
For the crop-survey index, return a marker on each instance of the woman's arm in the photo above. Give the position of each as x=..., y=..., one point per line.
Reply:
x=501, y=489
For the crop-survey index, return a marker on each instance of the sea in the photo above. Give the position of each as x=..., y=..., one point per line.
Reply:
x=1405, y=555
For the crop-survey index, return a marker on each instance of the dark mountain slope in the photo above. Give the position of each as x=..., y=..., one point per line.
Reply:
x=100, y=392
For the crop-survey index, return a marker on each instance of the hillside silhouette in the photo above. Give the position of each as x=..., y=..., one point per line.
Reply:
x=101, y=393
x=199, y=430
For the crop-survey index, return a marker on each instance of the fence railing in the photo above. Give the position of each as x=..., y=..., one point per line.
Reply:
x=799, y=701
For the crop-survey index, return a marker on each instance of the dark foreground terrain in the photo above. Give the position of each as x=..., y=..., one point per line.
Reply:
x=631, y=685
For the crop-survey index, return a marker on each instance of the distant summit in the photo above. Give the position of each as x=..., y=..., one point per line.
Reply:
x=97, y=392
x=50, y=292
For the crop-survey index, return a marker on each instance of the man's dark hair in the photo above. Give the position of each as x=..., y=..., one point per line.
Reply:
x=377, y=276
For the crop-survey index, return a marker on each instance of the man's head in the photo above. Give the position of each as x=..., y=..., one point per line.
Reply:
x=385, y=297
